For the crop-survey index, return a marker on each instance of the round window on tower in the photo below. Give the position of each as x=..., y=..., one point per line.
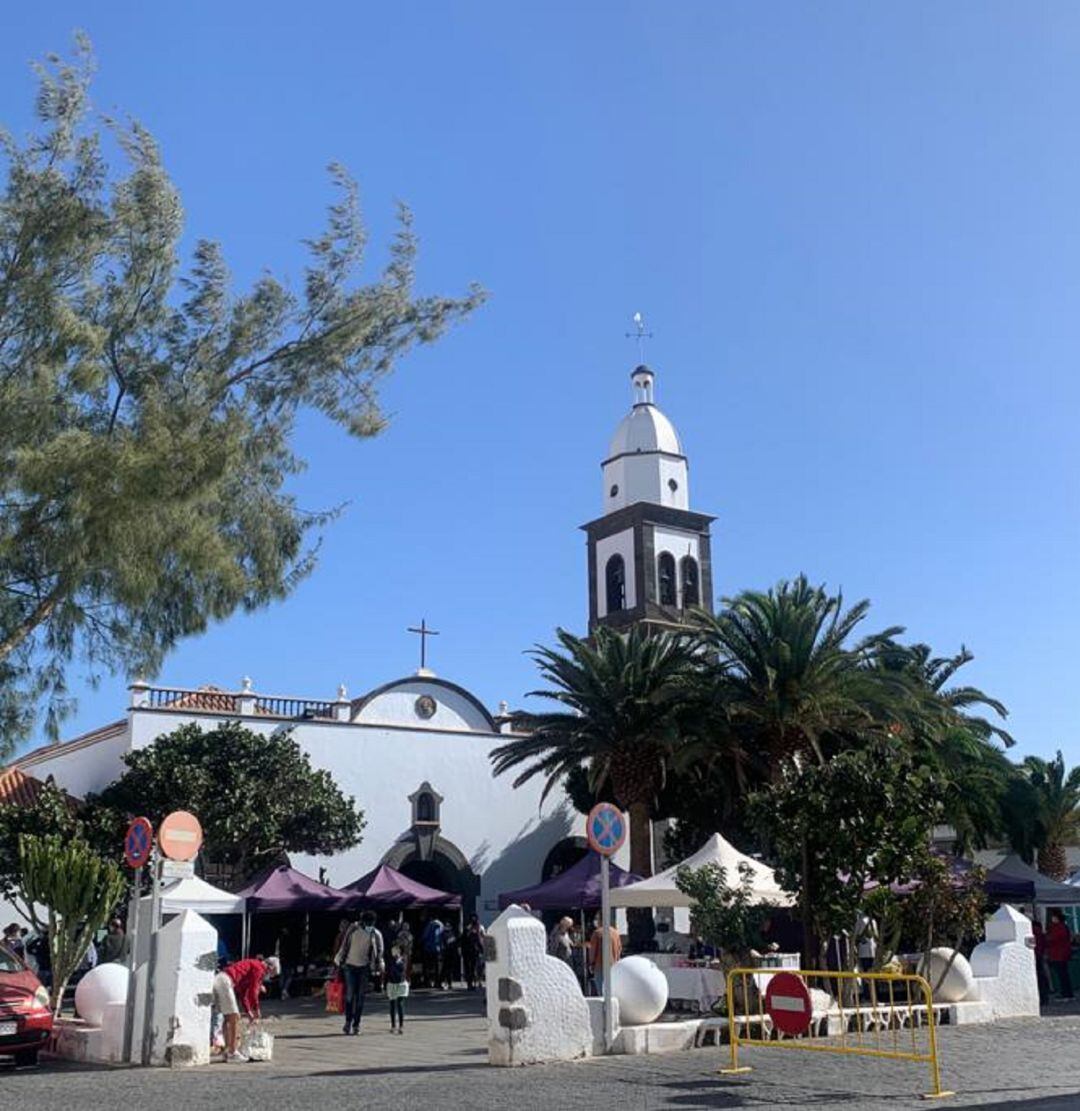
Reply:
x=672, y=485
x=614, y=490
x=425, y=706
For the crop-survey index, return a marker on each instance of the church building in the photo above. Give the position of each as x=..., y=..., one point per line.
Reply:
x=414, y=751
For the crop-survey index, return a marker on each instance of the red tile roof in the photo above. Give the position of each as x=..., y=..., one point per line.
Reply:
x=19, y=789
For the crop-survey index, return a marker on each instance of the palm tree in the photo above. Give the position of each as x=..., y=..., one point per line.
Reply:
x=797, y=686
x=620, y=699
x=956, y=744
x=1055, y=796
x=793, y=682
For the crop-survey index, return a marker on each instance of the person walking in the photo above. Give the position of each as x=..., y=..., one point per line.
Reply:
x=596, y=953
x=472, y=950
x=431, y=945
x=450, y=968
x=404, y=942
x=1059, y=952
x=397, y=989
x=1041, y=976
x=560, y=942
x=360, y=957
x=237, y=987
x=114, y=948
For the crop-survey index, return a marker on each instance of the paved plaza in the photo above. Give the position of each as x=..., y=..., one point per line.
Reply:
x=1028, y=1065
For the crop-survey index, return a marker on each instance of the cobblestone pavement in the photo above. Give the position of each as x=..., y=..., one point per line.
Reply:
x=1023, y=1066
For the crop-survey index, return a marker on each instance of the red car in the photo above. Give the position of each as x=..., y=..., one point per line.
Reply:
x=25, y=1018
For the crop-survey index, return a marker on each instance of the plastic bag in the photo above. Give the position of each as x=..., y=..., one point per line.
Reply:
x=335, y=996
x=258, y=1044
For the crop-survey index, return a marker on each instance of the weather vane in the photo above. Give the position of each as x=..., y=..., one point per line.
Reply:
x=640, y=335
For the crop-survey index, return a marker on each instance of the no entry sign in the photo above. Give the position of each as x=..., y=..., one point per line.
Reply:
x=788, y=1004
x=138, y=842
x=605, y=828
x=180, y=836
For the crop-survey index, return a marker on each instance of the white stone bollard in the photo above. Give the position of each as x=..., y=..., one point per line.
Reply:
x=1004, y=965
x=183, y=992
x=536, y=1011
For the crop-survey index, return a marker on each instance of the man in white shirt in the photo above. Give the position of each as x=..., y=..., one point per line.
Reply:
x=360, y=955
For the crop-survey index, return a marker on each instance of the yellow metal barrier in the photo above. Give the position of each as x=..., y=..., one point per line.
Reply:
x=877, y=1025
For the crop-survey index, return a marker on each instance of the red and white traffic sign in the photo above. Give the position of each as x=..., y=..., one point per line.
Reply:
x=180, y=836
x=138, y=842
x=788, y=1004
x=605, y=828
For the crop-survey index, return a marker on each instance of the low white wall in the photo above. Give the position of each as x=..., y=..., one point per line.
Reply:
x=1004, y=965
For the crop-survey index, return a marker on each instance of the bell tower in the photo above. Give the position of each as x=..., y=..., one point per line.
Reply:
x=649, y=554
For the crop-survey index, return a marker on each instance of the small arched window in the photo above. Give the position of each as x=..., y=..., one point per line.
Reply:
x=425, y=807
x=615, y=574
x=666, y=575
x=691, y=590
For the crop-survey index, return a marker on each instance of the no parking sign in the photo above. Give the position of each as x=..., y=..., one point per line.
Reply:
x=605, y=828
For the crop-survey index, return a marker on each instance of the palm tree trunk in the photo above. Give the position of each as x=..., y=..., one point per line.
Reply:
x=1053, y=861
x=640, y=839
x=639, y=920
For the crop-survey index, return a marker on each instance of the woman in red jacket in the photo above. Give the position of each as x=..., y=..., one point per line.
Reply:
x=1059, y=952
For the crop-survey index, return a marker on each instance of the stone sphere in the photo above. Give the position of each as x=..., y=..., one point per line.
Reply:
x=959, y=981
x=641, y=989
x=105, y=984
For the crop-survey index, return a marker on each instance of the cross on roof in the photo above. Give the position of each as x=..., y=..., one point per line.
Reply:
x=423, y=632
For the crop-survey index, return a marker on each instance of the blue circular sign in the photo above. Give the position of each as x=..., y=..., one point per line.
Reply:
x=605, y=828
x=139, y=842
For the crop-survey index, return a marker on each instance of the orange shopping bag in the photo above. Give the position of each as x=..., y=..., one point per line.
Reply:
x=335, y=996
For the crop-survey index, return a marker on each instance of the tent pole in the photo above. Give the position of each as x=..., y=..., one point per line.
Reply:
x=584, y=962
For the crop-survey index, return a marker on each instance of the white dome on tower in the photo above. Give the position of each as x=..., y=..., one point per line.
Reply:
x=645, y=428
x=645, y=458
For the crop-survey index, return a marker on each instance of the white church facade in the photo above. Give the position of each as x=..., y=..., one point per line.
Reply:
x=414, y=753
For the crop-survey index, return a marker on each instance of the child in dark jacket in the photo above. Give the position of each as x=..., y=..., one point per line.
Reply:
x=397, y=990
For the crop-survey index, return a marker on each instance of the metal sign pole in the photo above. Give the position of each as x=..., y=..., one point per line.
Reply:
x=132, y=961
x=605, y=937
x=151, y=964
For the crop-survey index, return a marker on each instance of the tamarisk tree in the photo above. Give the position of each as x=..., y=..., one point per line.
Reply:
x=147, y=411
x=78, y=890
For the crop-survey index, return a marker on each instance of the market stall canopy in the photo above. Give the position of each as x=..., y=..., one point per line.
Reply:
x=197, y=895
x=1043, y=891
x=284, y=888
x=386, y=887
x=661, y=891
x=578, y=888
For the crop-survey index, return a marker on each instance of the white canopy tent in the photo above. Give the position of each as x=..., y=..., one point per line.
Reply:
x=198, y=895
x=661, y=891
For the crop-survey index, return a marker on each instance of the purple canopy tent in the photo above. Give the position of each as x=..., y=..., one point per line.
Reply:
x=284, y=888
x=576, y=888
x=385, y=888
x=1000, y=888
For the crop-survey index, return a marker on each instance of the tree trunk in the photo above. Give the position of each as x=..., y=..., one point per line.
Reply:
x=639, y=920
x=1053, y=862
x=640, y=839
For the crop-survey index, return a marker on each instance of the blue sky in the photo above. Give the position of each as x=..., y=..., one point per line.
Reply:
x=852, y=228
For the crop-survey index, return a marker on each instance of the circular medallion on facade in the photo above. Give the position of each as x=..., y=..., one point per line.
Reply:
x=425, y=706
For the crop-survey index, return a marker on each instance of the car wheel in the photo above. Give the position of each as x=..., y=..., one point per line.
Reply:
x=26, y=1057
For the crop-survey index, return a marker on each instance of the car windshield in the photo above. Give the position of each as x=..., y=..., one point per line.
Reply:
x=9, y=962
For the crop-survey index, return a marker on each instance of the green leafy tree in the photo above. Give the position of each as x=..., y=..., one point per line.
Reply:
x=724, y=915
x=939, y=907
x=257, y=797
x=147, y=411
x=866, y=816
x=78, y=890
x=620, y=698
